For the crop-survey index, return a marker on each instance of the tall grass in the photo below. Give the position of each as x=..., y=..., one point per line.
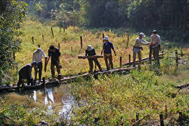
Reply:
x=110, y=100
x=115, y=100
x=69, y=45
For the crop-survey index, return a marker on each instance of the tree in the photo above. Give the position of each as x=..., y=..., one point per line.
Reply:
x=11, y=16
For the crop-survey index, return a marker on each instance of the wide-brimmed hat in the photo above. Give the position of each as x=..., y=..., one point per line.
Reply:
x=89, y=47
x=106, y=38
x=142, y=34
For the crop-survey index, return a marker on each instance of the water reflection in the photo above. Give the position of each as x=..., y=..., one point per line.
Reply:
x=34, y=96
x=57, y=99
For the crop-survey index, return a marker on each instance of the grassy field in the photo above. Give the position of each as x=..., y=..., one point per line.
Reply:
x=114, y=99
x=70, y=46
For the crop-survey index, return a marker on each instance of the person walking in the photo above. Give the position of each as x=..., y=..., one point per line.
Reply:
x=138, y=47
x=37, y=57
x=54, y=54
x=107, y=47
x=90, y=51
x=155, y=42
x=25, y=73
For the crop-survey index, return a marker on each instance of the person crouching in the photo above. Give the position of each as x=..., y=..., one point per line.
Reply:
x=25, y=73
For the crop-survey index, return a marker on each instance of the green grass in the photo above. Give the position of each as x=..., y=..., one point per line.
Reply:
x=114, y=99
x=69, y=46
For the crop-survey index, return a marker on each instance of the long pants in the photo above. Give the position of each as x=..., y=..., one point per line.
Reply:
x=53, y=69
x=134, y=58
x=91, y=64
x=156, y=55
x=38, y=69
x=150, y=54
x=155, y=52
x=108, y=57
x=29, y=80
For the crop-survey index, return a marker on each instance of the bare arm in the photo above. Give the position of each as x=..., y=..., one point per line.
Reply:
x=144, y=42
x=102, y=51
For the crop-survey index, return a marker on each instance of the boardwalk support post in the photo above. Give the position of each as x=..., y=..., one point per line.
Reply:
x=81, y=42
x=43, y=82
x=58, y=46
x=52, y=32
x=33, y=40
x=120, y=63
x=161, y=120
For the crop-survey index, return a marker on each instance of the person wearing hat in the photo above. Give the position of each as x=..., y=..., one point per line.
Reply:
x=54, y=54
x=37, y=57
x=90, y=51
x=25, y=73
x=155, y=42
x=107, y=49
x=138, y=46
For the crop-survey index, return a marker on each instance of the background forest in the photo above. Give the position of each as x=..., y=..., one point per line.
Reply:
x=170, y=17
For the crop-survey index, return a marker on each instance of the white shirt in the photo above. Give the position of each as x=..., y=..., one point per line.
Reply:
x=155, y=39
x=139, y=42
x=37, y=55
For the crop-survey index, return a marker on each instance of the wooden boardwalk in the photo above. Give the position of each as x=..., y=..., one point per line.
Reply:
x=72, y=78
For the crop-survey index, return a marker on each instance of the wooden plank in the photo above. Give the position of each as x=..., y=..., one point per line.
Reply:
x=86, y=75
x=90, y=57
x=28, y=87
x=142, y=60
x=182, y=86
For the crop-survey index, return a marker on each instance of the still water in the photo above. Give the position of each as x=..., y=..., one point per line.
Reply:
x=56, y=99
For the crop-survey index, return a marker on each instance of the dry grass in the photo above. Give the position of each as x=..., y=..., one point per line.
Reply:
x=70, y=46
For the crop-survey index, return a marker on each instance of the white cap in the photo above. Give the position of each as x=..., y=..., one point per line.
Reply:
x=106, y=38
x=142, y=34
x=89, y=47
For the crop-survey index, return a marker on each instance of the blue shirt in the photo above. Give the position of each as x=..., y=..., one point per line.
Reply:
x=107, y=47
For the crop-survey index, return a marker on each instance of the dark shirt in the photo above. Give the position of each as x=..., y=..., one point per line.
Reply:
x=107, y=47
x=90, y=53
x=25, y=72
x=54, y=56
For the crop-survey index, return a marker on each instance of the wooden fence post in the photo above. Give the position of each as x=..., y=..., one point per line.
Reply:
x=58, y=46
x=180, y=118
x=161, y=120
x=176, y=58
x=120, y=63
x=81, y=42
x=129, y=58
x=52, y=32
x=181, y=53
x=166, y=112
x=127, y=34
x=43, y=37
x=33, y=40
x=14, y=57
x=137, y=118
x=102, y=35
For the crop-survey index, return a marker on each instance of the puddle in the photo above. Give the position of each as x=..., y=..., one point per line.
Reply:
x=58, y=99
